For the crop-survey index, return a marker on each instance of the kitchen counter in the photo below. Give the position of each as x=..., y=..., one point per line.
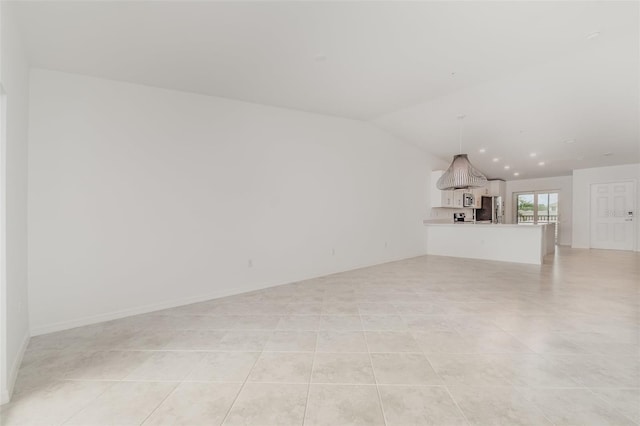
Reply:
x=490, y=241
x=504, y=225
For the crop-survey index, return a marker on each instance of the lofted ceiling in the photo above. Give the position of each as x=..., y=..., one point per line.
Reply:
x=526, y=74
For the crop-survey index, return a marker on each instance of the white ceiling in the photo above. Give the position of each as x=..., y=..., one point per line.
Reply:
x=525, y=73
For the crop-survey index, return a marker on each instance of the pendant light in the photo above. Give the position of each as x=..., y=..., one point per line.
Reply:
x=461, y=174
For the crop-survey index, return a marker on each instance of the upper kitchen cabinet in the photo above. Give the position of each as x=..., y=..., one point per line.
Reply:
x=494, y=188
x=477, y=197
x=449, y=199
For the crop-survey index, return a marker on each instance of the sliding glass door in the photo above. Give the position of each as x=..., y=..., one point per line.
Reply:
x=526, y=211
x=547, y=207
x=537, y=207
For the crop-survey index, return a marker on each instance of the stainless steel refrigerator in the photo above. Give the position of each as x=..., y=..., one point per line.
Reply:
x=492, y=210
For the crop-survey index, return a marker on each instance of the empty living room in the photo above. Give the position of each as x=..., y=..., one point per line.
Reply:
x=334, y=213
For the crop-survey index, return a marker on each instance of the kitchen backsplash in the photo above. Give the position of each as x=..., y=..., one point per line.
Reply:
x=447, y=213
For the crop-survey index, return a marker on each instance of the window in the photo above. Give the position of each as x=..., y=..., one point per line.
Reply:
x=537, y=207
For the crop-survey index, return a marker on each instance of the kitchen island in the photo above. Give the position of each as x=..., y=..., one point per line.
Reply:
x=503, y=242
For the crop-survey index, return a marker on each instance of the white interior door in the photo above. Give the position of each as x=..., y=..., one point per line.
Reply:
x=612, y=215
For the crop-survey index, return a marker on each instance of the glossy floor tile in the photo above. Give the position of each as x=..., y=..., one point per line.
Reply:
x=195, y=404
x=420, y=405
x=344, y=405
x=423, y=341
x=123, y=403
x=345, y=368
x=269, y=404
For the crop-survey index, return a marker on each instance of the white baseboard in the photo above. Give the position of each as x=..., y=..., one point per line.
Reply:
x=5, y=396
x=588, y=247
x=109, y=316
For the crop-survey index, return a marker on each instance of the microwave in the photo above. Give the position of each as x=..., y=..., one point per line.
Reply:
x=468, y=200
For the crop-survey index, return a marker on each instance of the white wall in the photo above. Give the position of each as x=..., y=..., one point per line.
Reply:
x=142, y=198
x=562, y=184
x=582, y=181
x=14, y=322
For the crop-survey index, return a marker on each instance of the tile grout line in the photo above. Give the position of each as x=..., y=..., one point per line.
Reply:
x=609, y=404
x=444, y=384
x=313, y=364
x=246, y=379
x=161, y=402
x=344, y=383
x=464, y=416
x=87, y=404
x=516, y=389
x=172, y=390
x=373, y=370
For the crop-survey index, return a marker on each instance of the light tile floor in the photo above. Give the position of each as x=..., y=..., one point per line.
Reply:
x=429, y=340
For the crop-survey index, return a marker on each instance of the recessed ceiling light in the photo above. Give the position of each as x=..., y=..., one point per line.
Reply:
x=507, y=167
x=482, y=150
x=533, y=154
x=608, y=154
x=593, y=35
x=516, y=174
x=495, y=160
x=570, y=141
x=541, y=163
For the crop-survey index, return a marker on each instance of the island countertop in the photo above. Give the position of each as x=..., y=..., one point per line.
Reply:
x=491, y=241
x=504, y=225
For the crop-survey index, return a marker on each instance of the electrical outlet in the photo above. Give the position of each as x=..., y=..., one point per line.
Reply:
x=250, y=263
x=386, y=244
x=333, y=252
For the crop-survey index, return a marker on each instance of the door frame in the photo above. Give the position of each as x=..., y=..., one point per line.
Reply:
x=634, y=193
x=4, y=368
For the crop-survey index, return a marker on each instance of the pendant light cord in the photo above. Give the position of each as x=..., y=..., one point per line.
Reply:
x=460, y=117
x=461, y=174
